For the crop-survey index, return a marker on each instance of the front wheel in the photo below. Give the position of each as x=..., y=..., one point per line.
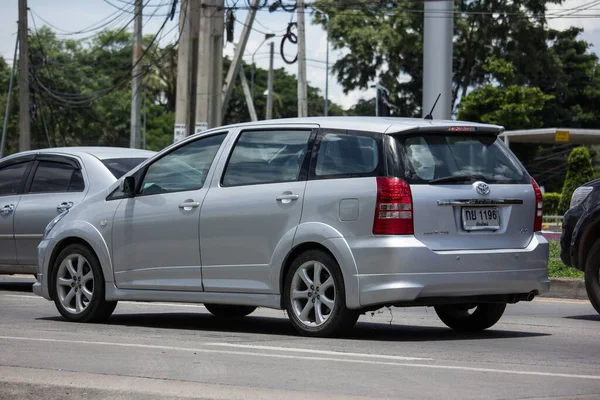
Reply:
x=315, y=297
x=470, y=318
x=592, y=275
x=78, y=286
x=227, y=311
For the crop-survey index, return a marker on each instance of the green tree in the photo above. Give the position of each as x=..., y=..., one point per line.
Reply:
x=579, y=172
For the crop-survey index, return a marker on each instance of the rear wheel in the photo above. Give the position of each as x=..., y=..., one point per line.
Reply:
x=228, y=311
x=315, y=296
x=78, y=286
x=592, y=275
x=469, y=317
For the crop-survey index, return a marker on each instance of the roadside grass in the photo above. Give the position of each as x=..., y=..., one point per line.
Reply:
x=556, y=268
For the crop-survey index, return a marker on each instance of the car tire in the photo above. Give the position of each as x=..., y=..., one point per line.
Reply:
x=592, y=275
x=229, y=311
x=304, y=294
x=78, y=286
x=459, y=317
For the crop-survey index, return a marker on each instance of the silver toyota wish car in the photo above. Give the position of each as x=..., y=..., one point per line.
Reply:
x=325, y=218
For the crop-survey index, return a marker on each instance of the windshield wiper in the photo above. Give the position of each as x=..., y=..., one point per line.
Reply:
x=458, y=179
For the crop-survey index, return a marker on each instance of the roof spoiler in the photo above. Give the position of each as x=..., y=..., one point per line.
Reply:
x=446, y=128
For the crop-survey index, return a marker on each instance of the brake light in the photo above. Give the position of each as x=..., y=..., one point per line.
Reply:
x=539, y=207
x=394, y=213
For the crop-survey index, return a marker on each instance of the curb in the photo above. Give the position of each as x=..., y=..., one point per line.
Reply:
x=566, y=288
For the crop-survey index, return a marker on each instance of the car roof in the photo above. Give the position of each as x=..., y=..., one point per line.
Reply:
x=99, y=152
x=372, y=124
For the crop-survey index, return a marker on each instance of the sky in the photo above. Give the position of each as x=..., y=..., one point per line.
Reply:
x=67, y=16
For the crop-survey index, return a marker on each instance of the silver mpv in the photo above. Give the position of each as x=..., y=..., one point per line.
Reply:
x=324, y=217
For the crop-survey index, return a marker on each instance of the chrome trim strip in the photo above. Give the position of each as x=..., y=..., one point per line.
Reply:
x=480, y=202
x=7, y=236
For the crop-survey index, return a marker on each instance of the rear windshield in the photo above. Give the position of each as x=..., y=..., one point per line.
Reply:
x=423, y=159
x=120, y=166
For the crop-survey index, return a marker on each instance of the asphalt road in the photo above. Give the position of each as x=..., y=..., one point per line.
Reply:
x=547, y=349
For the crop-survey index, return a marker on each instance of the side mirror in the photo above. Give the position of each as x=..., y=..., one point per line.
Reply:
x=127, y=185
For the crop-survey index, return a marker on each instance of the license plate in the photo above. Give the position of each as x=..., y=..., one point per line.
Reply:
x=480, y=218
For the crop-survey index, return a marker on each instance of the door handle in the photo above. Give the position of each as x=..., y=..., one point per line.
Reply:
x=189, y=205
x=64, y=206
x=287, y=198
x=7, y=209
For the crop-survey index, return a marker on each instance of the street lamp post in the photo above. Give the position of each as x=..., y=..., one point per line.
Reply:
x=267, y=37
x=326, y=111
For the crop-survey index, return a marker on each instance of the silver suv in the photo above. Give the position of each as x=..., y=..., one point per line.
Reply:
x=323, y=217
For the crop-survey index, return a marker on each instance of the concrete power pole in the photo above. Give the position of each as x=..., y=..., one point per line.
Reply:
x=302, y=94
x=187, y=58
x=210, y=65
x=136, y=82
x=437, y=58
x=269, y=114
x=24, y=116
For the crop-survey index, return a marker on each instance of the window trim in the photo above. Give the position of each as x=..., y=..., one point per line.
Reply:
x=30, y=160
x=302, y=174
x=140, y=174
x=379, y=170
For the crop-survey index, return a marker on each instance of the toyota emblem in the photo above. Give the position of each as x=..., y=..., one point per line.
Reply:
x=482, y=188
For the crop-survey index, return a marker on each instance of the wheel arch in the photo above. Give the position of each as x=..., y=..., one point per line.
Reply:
x=587, y=232
x=318, y=236
x=87, y=235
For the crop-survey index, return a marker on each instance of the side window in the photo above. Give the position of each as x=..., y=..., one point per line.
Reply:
x=11, y=178
x=183, y=169
x=53, y=177
x=261, y=157
x=347, y=155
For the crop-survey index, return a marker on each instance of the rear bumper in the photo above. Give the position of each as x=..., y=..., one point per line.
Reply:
x=403, y=270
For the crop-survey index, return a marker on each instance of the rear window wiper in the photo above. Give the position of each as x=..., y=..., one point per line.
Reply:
x=458, y=179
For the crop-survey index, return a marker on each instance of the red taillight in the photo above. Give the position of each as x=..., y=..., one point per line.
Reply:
x=394, y=213
x=539, y=207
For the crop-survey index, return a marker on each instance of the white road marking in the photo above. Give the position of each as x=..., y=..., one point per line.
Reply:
x=314, y=351
x=296, y=357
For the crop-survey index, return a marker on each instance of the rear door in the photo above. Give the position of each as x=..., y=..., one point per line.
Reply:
x=469, y=190
x=57, y=183
x=254, y=208
x=13, y=175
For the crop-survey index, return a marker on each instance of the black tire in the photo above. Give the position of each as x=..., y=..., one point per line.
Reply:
x=592, y=275
x=459, y=317
x=228, y=311
x=97, y=309
x=341, y=319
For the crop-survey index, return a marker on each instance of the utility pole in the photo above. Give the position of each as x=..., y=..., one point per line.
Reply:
x=216, y=55
x=270, y=83
x=8, y=97
x=184, y=61
x=24, y=115
x=236, y=63
x=437, y=57
x=136, y=81
x=248, y=95
x=326, y=108
x=302, y=94
x=210, y=65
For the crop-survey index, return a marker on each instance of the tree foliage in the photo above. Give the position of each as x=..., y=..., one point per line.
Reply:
x=579, y=172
